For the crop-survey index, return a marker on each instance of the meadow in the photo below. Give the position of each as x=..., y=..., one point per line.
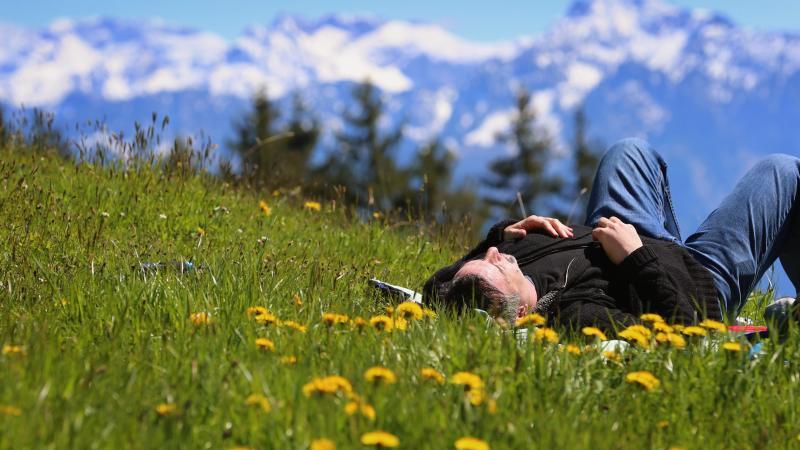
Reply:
x=268, y=340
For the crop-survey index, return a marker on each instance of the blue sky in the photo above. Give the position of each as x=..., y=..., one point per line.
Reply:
x=479, y=20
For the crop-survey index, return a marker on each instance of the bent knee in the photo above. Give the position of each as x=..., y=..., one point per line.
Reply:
x=629, y=149
x=780, y=163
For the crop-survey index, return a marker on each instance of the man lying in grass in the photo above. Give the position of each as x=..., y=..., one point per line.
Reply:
x=630, y=258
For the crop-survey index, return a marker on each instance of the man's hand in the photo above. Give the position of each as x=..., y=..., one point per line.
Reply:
x=520, y=229
x=617, y=238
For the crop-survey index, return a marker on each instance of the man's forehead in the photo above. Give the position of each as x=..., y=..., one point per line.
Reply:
x=482, y=268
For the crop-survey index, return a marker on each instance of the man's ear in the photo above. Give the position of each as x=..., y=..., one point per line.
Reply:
x=522, y=310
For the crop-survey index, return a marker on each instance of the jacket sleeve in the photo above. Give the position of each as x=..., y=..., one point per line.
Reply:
x=445, y=274
x=655, y=288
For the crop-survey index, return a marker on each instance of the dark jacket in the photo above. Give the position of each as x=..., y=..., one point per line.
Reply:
x=660, y=277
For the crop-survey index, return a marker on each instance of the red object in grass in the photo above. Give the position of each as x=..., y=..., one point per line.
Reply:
x=746, y=328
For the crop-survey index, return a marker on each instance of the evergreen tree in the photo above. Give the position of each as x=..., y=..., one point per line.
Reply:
x=432, y=169
x=256, y=142
x=439, y=200
x=302, y=135
x=366, y=164
x=586, y=158
x=4, y=134
x=524, y=172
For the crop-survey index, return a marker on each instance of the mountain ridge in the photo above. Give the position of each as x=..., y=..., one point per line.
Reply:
x=712, y=96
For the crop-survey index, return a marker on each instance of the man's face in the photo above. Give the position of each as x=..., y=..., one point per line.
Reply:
x=501, y=271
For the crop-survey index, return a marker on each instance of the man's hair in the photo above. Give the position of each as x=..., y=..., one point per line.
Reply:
x=474, y=291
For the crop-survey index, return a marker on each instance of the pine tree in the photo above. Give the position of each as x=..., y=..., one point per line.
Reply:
x=4, y=134
x=586, y=158
x=256, y=141
x=433, y=172
x=302, y=135
x=524, y=172
x=439, y=200
x=366, y=164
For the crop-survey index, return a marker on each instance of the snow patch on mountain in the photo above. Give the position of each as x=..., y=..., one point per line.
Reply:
x=485, y=134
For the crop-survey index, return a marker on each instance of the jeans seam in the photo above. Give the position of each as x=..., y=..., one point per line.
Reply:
x=665, y=183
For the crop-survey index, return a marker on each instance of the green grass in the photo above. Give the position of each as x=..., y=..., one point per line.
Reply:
x=104, y=344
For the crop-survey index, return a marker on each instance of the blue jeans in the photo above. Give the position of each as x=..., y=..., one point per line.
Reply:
x=754, y=225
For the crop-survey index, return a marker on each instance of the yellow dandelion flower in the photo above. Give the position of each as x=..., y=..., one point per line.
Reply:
x=546, y=334
x=662, y=424
x=166, y=409
x=13, y=350
x=294, y=325
x=200, y=318
x=677, y=448
x=389, y=310
x=267, y=318
x=635, y=336
x=265, y=344
x=380, y=439
x=331, y=319
x=476, y=396
x=641, y=329
x=677, y=327
x=571, y=348
x=297, y=300
x=201, y=232
x=694, y=331
x=359, y=323
x=312, y=206
x=377, y=215
x=673, y=339
x=289, y=360
x=651, y=317
x=530, y=319
x=469, y=380
x=714, y=325
x=430, y=373
x=663, y=327
x=613, y=356
x=491, y=406
x=276, y=193
x=594, y=332
x=265, y=208
x=471, y=443
x=408, y=311
x=365, y=409
x=8, y=410
x=382, y=323
x=258, y=401
x=380, y=375
x=368, y=411
x=322, y=444
x=400, y=324
x=733, y=347
x=256, y=310
x=644, y=379
x=429, y=313
x=333, y=384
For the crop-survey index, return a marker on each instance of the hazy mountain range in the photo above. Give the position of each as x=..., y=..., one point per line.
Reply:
x=711, y=95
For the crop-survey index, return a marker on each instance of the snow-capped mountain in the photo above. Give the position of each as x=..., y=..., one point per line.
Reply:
x=711, y=95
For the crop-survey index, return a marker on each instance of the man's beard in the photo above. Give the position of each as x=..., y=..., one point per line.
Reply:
x=510, y=309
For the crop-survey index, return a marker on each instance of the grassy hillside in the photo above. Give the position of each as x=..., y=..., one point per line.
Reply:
x=100, y=354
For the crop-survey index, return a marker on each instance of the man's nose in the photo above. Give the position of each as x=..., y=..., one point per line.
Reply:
x=492, y=254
